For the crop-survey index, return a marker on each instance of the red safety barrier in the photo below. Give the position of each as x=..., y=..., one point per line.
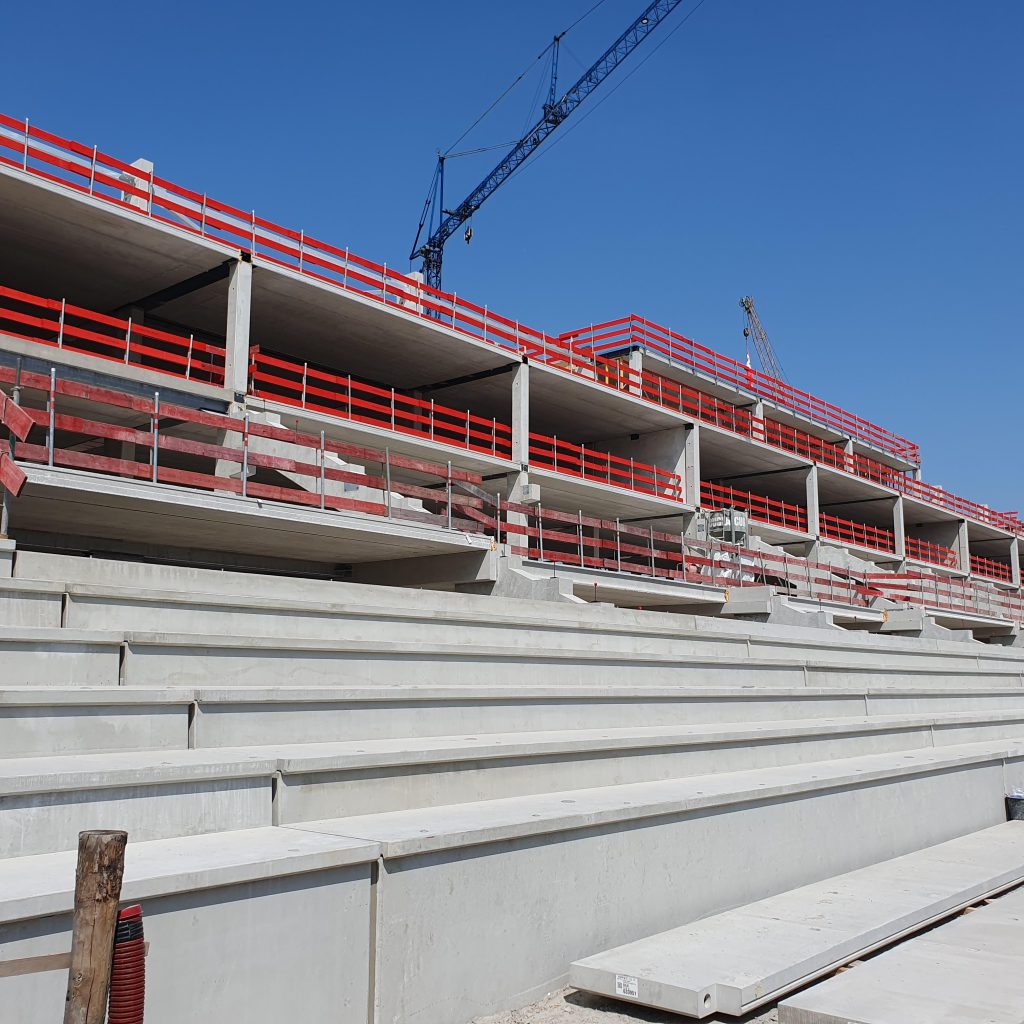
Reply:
x=991, y=569
x=101, y=176
x=309, y=387
x=758, y=507
x=59, y=324
x=935, y=554
x=160, y=456
x=950, y=593
x=636, y=331
x=592, y=464
x=857, y=534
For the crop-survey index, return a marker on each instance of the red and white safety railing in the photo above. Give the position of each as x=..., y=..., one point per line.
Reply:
x=954, y=594
x=76, y=439
x=60, y=324
x=934, y=554
x=638, y=332
x=991, y=569
x=578, y=460
x=758, y=507
x=318, y=390
x=855, y=534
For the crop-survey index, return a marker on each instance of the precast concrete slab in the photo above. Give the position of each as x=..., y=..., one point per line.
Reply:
x=32, y=656
x=481, y=907
x=60, y=500
x=36, y=604
x=734, y=962
x=232, y=913
x=965, y=972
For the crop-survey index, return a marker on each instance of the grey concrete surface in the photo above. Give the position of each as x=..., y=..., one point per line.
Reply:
x=482, y=907
x=734, y=962
x=58, y=657
x=965, y=972
x=224, y=915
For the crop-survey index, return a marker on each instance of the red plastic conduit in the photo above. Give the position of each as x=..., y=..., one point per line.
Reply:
x=128, y=971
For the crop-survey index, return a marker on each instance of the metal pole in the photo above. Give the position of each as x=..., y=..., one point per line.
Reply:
x=127, y=341
x=387, y=481
x=24, y=162
x=188, y=361
x=540, y=533
x=653, y=573
x=302, y=242
x=618, y=545
x=5, y=512
x=579, y=528
x=384, y=284
x=156, y=432
x=52, y=403
x=60, y=325
x=92, y=169
x=305, y=372
x=449, y=489
x=323, y=472
x=245, y=455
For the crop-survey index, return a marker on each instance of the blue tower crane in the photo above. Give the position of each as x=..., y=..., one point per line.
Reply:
x=555, y=111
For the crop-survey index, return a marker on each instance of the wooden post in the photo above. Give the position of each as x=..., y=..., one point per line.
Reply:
x=97, y=893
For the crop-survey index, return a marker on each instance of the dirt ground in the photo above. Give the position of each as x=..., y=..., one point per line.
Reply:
x=568, y=1006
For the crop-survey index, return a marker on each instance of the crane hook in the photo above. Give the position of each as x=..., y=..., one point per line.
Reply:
x=469, y=234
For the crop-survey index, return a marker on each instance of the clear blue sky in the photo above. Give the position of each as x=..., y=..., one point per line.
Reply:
x=856, y=166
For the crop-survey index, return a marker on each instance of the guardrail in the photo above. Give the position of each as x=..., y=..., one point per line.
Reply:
x=950, y=594
x=101, y=176
x=317, y=390
x=757, y=506
x=991, y=569
x=636, y=331
x=159, y=456
x=578, y=460
x=59, y=324
x=857, y=534
x=934, y=554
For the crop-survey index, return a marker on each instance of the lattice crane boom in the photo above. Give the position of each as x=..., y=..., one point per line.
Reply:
x=756, y=332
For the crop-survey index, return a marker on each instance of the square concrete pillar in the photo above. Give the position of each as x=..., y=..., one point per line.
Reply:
x=236, y=357
x=521, y=415
x=1015, y=562
x=636, y=364
x=813, y=513
x=899, y=528
x=691, y=468
x=963, y=547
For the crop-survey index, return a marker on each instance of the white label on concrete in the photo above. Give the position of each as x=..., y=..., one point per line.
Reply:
x=626, y=985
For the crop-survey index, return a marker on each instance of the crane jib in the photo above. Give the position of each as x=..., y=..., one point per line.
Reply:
x=554, y=114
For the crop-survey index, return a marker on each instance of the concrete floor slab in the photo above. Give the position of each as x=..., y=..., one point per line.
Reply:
x=734, y=962
x=966, y=972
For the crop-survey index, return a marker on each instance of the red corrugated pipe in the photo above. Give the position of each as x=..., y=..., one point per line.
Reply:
x=128, y=971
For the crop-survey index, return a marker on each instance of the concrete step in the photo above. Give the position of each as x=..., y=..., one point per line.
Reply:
x=483, y=906
x=58, y=657
x=425, y=619
x=967, y=971
x=104, y=591
x=202, y=896
x=45, y=801
x=735, y=962
x=41, y=721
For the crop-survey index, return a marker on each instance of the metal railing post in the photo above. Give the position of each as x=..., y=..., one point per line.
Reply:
x=485, y=324
x=156, y=433
x=497, y=516
x=618, y=545
x=302, y=244
x=305, y=374
x=323, y=471
x=245, y=456
x=540, y=533
x=579, y=527
x=12, y=444
x=60, y=324
x=348, y=397
x=392, y=408
x=202, y=217
x=387, y=482
x=449, y=489
x=92, y=169
x=253, y=243
x=344, y=279
x=24, y=161
x=653, y=572
x=127, y=341
x=188, y=359
x=454, y=294
x=52, y=403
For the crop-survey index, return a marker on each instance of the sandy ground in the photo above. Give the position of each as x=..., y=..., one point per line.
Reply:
x=569, y=1006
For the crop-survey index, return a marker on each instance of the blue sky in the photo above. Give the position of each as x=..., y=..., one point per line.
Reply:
x=856, y=166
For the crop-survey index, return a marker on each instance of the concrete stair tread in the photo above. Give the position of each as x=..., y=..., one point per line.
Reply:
x=738, y=960
x=967, y=971
x=45, y=883
x=105, y=770
x=425, y=829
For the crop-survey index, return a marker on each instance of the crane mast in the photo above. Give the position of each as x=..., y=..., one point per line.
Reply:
x=555, y=111
x=754, y=330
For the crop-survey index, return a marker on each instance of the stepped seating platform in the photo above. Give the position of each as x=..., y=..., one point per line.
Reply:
x=516, y=784
x=735, y=962
x=967, y=972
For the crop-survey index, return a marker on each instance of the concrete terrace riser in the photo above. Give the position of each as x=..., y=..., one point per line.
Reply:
x=69, y=723
x=220, y=954
x=45, y=805
x=263, y=662
x=467, y=932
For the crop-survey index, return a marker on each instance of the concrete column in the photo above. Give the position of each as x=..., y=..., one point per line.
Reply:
x=813, y=504
x=691, y=466
x=521, y=415
x=962, y=546
x=1015, y=562
x=636, y=364
x=899, y=527
x=236, y=359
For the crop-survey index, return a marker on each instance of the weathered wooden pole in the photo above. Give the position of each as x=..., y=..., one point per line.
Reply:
x=97, y=892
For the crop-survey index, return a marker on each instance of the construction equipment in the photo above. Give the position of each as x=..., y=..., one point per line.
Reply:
x=763, y=347
x=555, y=111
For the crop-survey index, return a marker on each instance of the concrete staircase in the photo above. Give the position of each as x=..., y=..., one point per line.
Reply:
x=426, y=805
